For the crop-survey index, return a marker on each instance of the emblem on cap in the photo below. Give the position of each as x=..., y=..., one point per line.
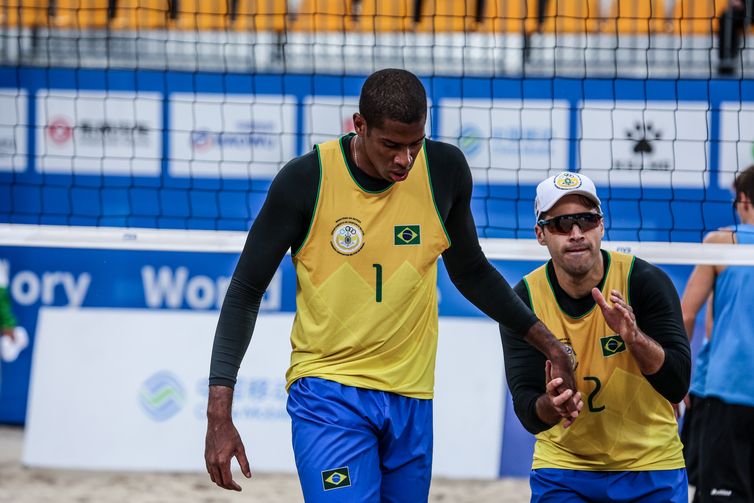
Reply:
x=567, y=181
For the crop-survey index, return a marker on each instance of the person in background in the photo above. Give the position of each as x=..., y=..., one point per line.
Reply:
x=7, y=319
x=726, y=456
x=621, y=317
x=692, y=431
x=733, y=23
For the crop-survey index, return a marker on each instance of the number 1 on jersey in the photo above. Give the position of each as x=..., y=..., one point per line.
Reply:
x=377, y=282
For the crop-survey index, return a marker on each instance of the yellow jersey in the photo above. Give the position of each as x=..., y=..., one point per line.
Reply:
x=366, y=298
x=625, y=423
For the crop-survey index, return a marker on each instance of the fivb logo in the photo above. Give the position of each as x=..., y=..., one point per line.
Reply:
x=162, y=396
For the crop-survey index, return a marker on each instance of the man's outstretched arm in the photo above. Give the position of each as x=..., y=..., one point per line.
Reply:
x=282, y=222
x=486, y=288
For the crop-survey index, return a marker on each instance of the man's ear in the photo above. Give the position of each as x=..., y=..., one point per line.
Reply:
x=748, y=203
x=359, y=124
x=539, y=231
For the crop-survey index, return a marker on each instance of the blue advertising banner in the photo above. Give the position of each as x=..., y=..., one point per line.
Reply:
x=82, y=278
x=167, y=149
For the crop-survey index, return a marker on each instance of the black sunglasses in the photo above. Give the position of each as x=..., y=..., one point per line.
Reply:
x=564, y=223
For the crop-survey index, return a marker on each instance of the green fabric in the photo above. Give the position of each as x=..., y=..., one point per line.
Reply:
x=7, y=320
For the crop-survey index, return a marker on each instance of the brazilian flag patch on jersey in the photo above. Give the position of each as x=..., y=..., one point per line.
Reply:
x=336, y=478
x=407, y=235
x=612, y=345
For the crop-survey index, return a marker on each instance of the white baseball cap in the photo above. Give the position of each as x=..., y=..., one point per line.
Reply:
x=562, y=184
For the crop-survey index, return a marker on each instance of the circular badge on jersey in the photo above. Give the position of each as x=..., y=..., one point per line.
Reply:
x=568, y=181
x=347, y=237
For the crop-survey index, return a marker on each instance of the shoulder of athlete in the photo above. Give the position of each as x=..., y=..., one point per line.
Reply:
x=651, y=288
x=306, y=166
x=522, y=292
x=445, y=154
x=299, y=177
x=646, y=272
x=448, y=168
x=721, y=236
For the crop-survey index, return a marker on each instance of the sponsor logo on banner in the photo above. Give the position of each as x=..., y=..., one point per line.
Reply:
x=162, y=396
x=329, y=117
x=470, y=140
x=347, y=125
x=254, y=397
x=13, y=129
x=643, y=136
x=62, y=130
x=29, y=288
x=99, y=132
x=647, y=144
x=174, y=288
x=231, y=135
x=259, y=134
x=508, y=138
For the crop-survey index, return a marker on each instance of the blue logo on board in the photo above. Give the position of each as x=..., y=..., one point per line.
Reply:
x=162, y=396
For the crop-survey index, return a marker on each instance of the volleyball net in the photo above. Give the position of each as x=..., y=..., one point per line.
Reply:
x=150, y=124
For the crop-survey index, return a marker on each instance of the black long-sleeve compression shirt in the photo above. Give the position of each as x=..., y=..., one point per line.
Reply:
x=284, y=221
x=658, y=314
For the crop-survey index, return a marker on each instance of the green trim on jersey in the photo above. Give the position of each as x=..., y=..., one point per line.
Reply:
x=600, y=286
x=432, y=191
x=345, y=160
x=316, y=204
x=528, y=290
x=628, y=281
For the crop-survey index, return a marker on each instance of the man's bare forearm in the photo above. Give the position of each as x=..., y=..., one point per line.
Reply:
x=544, y=340
x=545, y=412
x=220, y=402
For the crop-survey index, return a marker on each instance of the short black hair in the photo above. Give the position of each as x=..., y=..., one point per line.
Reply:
x=745, y=183
x=392, y=94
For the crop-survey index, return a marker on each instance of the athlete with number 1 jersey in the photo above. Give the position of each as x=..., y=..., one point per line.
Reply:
x=366, y=216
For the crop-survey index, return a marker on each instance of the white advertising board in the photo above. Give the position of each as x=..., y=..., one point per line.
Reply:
x=99, y=132
x=14, y=124
x=736, y=140
x=126, y=389
x=508, y=141
x=327, y=117
x=645, y=144
x=231, y=136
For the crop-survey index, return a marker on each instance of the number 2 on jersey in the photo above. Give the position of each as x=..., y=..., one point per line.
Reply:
x=593, y=394
x=377, y=282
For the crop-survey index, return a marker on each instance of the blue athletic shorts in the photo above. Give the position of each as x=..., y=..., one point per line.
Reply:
x=359, y=445
x=579, y=486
